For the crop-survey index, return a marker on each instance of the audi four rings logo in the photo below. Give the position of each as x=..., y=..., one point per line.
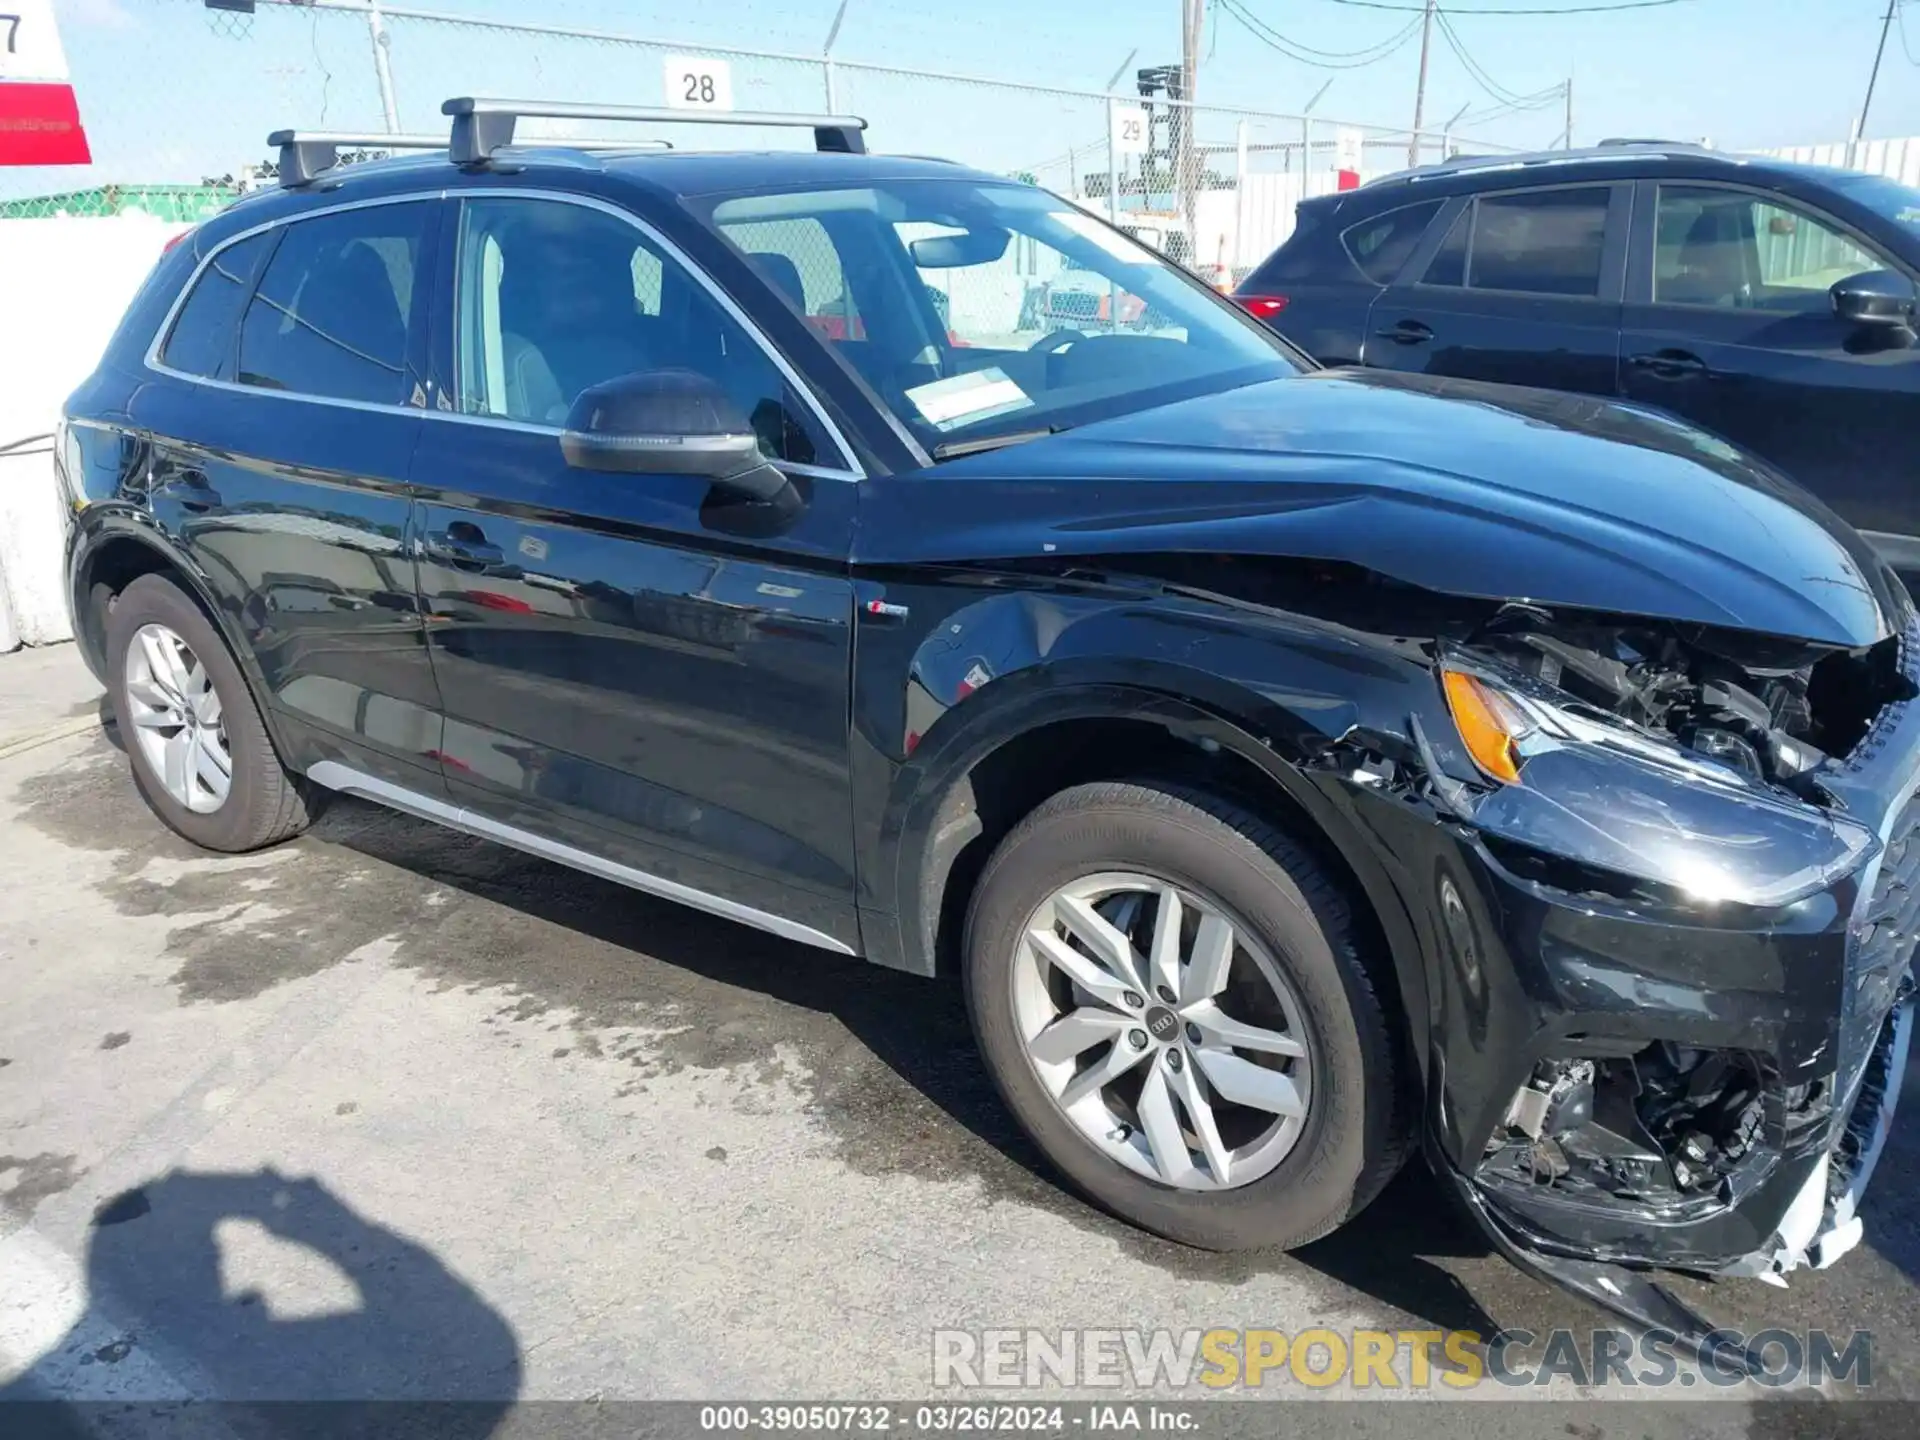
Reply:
x=1162, y=1023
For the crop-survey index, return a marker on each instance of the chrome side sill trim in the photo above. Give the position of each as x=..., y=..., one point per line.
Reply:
x=335, y=776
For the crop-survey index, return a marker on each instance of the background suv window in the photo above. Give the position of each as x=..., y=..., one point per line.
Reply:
x=1382, y=245
x=1732, y=249
x=1544, y=242
x=201, y=341
x=330, y=316
x=553, y=298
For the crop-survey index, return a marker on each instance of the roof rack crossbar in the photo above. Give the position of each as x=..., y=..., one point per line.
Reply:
x=305, y=155
x=482, y=126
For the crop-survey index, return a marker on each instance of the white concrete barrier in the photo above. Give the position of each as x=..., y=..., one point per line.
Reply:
x=64, y=283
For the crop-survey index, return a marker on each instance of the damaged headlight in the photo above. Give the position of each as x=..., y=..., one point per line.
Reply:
x=1598, y=791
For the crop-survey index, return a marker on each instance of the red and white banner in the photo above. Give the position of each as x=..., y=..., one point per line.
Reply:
x=39, y=118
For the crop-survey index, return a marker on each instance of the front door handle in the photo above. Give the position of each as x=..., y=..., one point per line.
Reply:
x=1669, y=364
x=1407, y=332
x=464, y=547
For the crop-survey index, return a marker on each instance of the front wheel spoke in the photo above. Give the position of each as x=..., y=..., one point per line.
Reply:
x=207, y=707
x=156, y=719
x=1158, y=1119
x=211, y=763
x=1077, y=1032
x=1206, y=973
x=1163, y=959
x=176, y=764
x=1245, y=1083
x=1092, y=930
x=1084, y=972
x=1222, y=1029
x=162, y=667
x=148, y=693
x=1193, y=1098
x=1110, y=1067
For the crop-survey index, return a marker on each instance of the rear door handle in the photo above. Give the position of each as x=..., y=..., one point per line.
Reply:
x=1669, y=364
x=1407, y=332
x=465, y=547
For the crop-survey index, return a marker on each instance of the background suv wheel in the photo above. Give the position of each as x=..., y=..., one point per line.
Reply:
x=199, y=749
x=1167, y=994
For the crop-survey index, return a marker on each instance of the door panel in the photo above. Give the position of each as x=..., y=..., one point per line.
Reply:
x=633, y=663
x=1729, y=325
x=1521, y=289
x=295, y=505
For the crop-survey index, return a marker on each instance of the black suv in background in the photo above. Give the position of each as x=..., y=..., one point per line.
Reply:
x=1291, y=774
x=1769, y=303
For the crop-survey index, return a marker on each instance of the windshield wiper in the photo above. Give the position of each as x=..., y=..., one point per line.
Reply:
x=954, y=449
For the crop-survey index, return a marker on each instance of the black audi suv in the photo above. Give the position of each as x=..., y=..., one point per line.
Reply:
x=1300, y=768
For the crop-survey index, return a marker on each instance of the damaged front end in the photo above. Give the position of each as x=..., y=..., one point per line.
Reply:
x=1697, y=854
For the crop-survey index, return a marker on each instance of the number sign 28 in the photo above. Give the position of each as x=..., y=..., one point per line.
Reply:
x=698, y=84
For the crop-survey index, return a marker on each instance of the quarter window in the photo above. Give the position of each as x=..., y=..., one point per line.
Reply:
x=1380, y=246
x=202, y=339
x=331, y=315
x=554, y=298
x=1734, y=250
x=1449, y=263
x=1543, y=242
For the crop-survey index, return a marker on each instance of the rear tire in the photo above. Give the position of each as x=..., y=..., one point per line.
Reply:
x=193, y=691
x=1233, y=869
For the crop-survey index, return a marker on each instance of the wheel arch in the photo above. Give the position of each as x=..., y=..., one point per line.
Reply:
x=1032, y=734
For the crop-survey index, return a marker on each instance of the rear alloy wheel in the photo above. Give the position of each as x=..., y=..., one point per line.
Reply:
x=174, y=717
x=200, y=750
x=1168, y=993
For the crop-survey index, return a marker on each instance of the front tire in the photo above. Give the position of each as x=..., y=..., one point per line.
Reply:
x=1167, y=992
x=199, y=749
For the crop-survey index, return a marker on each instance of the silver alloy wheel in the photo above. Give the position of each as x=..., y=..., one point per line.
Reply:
x=1164, y=1032
x=176, y=719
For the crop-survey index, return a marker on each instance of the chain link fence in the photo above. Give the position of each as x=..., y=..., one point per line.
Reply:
x=178, y=99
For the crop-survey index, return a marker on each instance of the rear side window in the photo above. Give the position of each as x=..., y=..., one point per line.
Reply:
x=330, y=316
x=1382, y=245
x=1547, y=242
x=202, y=339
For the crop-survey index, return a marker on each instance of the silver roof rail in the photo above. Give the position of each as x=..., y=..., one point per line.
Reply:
x=482, y=126
x=306, y=155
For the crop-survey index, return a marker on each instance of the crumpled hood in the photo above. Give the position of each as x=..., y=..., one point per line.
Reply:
x=1459, y=487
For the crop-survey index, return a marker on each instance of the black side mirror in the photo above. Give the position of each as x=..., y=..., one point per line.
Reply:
x=668, y=422
x=1876, y=297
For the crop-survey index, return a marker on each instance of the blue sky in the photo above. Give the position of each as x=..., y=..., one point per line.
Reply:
x=166, y=95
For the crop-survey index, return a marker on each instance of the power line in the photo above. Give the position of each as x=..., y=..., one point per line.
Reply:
x=1604, y=9
x=1473, y=67
x=1900, y=19
x=1312, y=55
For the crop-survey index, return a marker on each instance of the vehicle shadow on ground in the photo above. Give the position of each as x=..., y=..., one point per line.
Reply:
x=397, y=1325
x=916, y=1028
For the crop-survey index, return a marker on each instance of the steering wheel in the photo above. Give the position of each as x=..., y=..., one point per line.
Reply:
x=1054, y=341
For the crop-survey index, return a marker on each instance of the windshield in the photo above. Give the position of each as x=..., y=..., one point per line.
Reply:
x=1887, y=198
x=974, y=309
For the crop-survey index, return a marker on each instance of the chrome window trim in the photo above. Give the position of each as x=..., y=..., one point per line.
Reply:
x=335, y=776
x=851, y=471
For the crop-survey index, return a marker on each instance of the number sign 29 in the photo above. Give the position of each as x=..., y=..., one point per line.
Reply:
x=698, y=84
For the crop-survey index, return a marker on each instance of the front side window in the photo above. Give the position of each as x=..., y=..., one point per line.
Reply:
x=977, y=308
x=1544, y=242
x=1380, y=246
x=1735, y=250
x=553, y=298
x=202, y=341
x=330, y=316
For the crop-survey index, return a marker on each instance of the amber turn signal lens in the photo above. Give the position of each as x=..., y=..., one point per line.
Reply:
x=1483, y=724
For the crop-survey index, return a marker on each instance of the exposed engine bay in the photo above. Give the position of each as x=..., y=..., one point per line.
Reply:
x=1773, y=711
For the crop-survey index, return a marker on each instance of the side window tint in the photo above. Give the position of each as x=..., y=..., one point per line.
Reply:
x=554, y=298
x=1380, y=246
x=202, y=341
x=330, y=316
x=1548, y=242
x=803, y=264
x=1737, y=251
x=1449, y=263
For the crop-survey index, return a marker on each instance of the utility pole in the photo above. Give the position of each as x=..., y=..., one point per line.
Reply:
x=1860, y=125
x=1420, y=87
x=1193, y=19
x=1569, y=138
x=382, y=69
